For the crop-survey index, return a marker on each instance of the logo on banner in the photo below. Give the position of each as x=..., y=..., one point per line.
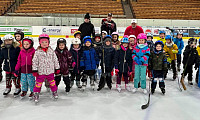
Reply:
x=156, y=31
x=196, y=32
x=73, y=31
x=147, y=31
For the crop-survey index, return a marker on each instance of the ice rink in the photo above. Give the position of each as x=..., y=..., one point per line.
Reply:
x=106, y=104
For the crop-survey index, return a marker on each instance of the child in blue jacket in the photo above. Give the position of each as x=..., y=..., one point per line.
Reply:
x=180, y=44
x=89, y=62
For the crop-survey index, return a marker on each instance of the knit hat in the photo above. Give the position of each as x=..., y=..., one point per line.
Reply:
x=87, y=16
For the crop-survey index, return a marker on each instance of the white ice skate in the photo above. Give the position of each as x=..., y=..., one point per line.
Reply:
x=128, y=87
x=144, y=91
x=118, y=86
x=134, y=90
x=55, y=95
x=36, y=97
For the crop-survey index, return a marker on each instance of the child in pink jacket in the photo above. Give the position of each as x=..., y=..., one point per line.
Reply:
x=45, y=64
x=24, y=66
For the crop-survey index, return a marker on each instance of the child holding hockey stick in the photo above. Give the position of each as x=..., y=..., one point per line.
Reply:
x=123, y=64
x=158, y=65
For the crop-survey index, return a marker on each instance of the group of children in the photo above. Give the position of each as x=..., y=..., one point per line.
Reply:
x=100, y=58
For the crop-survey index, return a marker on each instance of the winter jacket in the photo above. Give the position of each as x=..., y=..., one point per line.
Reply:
x=151, y=45
x=198, y=50
x=163, y=40
x=141, y=53
x=107, y=57
x=168, y=50
x=180, y=44
x=123, y=60
x=97, y=47
x=9, y=57
x=87, y=29
x=136, y=31
x=24, y=62
x=116, y=45
x=76, y=57
x=132, y=47
x=45, y=63
x=157, y=61
x=89, y=58
x=190, y=56
x=107, y=26
x=65, y=60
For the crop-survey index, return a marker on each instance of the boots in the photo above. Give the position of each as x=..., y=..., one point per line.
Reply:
x=101, y=83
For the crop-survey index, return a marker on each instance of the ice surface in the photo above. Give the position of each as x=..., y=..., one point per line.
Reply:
x=104, y=105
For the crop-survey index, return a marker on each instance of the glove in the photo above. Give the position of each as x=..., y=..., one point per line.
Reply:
x=175, y=51
x=57, y=72
x=169, y=60
x=116, y=72
x=16, y=73
x=35, y=74
x=136, y=59
x=73, y=64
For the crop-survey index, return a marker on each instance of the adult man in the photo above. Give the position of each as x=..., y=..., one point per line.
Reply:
x=87, y=28
x=108, y=24
x=133, y=29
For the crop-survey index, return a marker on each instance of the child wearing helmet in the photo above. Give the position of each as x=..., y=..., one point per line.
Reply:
x=115, y=42
x=158, y=66
x=89, y=62
x=141, y=56
x=171, y=50
x=65, y=62
x=197, y=73
x=151, y=47
x=44, y=64
x=19, y=35
x=162, y=36
x=123, y=64
x=190, y=58
x=107, y=55
x=97, y=44
x=180, y=44
x=24, y=67
x=9, y=53
x=76, y=56
x=132, y=44
x=77, y=34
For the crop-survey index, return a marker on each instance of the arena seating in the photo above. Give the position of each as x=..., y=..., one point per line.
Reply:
x=167, y=9
x=4, y=5
x=96, y=7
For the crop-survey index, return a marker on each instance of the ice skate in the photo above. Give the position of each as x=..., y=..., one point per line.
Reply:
x=7, y=91
x=17, y=92
x=118, y=86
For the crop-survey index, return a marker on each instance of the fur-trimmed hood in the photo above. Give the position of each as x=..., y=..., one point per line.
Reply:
x=15, y=44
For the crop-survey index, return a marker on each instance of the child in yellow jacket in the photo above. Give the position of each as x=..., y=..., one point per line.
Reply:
x=198, y=50
x=171, y=50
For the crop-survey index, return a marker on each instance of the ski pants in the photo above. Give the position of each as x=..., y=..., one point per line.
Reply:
x=27, y=81
x=158, y=76
x=140, y=76
x=9, y=78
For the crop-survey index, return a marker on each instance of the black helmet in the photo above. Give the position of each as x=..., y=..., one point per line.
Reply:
x=19, y=32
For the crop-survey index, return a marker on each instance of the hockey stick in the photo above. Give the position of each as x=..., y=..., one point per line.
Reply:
x=147, y=105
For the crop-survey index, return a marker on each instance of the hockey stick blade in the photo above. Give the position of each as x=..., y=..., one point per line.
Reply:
x=146, y=105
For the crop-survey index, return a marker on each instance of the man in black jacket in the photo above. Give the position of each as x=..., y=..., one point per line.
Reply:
x=108, y=24
x=86, y=28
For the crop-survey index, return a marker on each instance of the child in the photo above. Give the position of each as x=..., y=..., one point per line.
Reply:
x=197, y=73
x=180, y=44
x=123, y=64
x=45, y=63
x=65, y=62
x=103, y=34
x=115, y=42
x=141, y=56
x=107, y=63
x=158, y=64
x=77, y=34
x=132, y=45
x=151, y=47
x=190, y=58
x=97, y=43
x=76, y=53
x=1, y=76
x=19, y=35
x=24, y=66
x=89, y=62
x=162, y=36
x=9, y=54
x=171, y=50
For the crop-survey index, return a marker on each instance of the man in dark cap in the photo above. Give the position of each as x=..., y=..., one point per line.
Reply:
x=108, y=24
x=86, y=28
